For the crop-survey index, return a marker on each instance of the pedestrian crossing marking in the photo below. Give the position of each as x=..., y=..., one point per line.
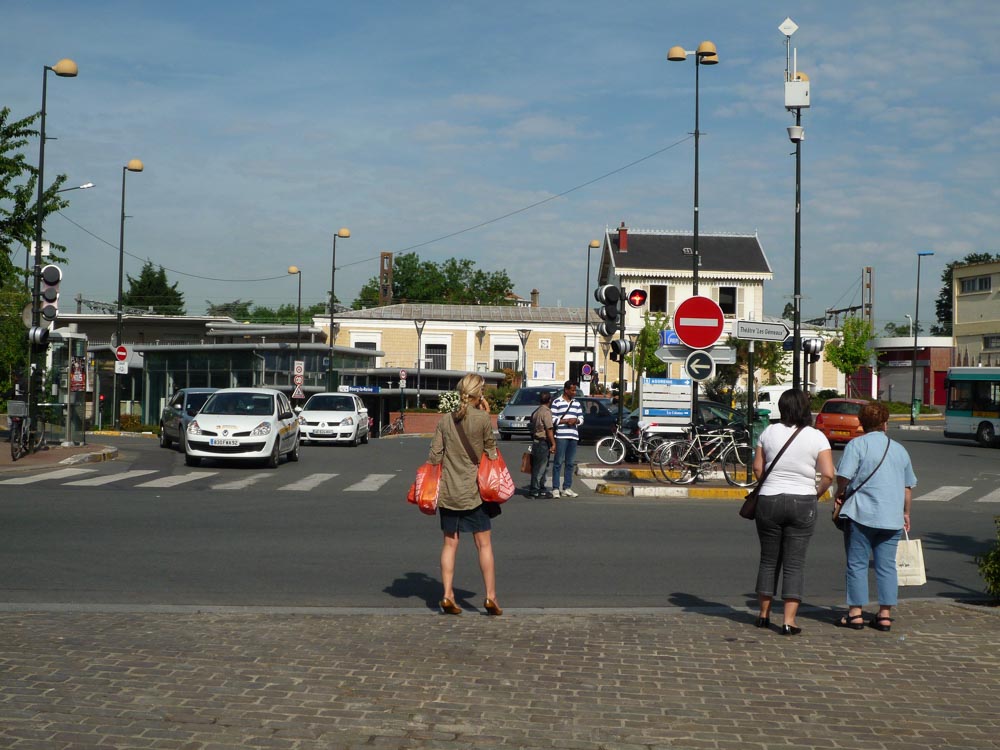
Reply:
x=178, y=479
x=307, y=483
x=942, y=494
x=58, y=474
x=109, y=478
x=993, y=497
x=240, y=484
x=370, y=483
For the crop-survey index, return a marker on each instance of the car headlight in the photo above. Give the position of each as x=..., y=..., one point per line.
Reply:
x=302, y=420
x=348, y=421
x=194, y=428
x=502, y=416
x=264, y=428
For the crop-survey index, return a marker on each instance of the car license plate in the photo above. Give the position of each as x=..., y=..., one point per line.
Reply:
x=841, y=433
x=223, y=441
x=322, y=432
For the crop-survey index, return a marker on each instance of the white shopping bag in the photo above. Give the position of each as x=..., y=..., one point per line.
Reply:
x=910, y=562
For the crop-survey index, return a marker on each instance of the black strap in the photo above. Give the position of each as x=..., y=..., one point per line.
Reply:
x=465, y=441
x=888, y=444
x=767, y=469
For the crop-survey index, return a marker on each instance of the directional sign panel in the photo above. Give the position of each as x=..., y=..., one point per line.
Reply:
x=699, y=365
x=669, y=338
x=698, y=322
x=755, y=330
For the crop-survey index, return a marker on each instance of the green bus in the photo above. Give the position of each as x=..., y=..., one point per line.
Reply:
x=973, y=408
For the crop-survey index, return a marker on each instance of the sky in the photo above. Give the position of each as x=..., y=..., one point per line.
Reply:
x=511, y=134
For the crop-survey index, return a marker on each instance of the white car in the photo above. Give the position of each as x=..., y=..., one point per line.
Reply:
x=334, y=418
x=243, y=423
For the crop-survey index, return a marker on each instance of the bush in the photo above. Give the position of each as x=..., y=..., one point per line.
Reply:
x=989, y=565
x=130, y=423
x=449, y=402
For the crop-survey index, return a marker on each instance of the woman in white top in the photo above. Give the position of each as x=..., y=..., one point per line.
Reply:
x=786, y=509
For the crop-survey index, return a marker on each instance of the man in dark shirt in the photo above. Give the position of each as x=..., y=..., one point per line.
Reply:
x=543, y=445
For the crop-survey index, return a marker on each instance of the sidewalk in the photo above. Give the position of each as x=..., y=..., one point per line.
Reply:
x=213, y=679
x=54, y=454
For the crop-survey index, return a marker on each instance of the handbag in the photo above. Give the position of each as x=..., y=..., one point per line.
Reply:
x=426, y=488
x=749, y=508
x=526, y=462
x=496, y=485
x=838, y=502
x=910, y=562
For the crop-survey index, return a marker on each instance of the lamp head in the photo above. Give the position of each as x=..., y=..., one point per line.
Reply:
x=134, y=165
x=594, y=244
x=86, y=186
x=294, y=270
x=344, y=233
x=796, y=133
x=65, y=68
x=709, y=60
x=925, y=253
x=677, y=54
x=706, y=49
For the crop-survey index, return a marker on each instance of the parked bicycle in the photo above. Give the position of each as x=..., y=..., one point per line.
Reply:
x=22, y=441
x=684, y=461
x=617, y=447
x=395, y=427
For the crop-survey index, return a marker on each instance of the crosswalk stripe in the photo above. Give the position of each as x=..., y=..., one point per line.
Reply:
x=942, y=494
x=179, y=479
x=369, y=483
x=307, y=483
x=109, y=478
x=58, y=474
x=239, y=484
x=993, y=497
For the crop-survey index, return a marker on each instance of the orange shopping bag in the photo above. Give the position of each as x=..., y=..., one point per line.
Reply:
x=496, y=485
x=425, y=489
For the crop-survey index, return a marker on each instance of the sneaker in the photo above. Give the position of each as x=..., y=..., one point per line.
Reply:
x=569, y=493
x=555, y=493
x=545, y=495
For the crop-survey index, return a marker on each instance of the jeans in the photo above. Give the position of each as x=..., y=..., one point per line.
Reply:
x=539, y=463
x=784, y=526
x=565, y=457
x=860, y=542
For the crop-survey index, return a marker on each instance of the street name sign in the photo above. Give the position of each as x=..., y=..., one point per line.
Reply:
x=698, y=322
x=699, y=365
x=755, y=330
x=722, y=355
x=669, y=338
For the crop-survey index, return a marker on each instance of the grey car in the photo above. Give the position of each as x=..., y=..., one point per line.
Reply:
x=177, y=414
x=513, y=420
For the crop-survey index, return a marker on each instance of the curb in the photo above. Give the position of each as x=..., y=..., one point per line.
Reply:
x=107, y=453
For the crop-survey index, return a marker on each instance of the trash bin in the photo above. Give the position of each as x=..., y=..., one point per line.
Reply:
x=915, y=407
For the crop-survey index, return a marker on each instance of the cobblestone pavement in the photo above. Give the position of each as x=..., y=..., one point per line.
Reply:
x=180, y=678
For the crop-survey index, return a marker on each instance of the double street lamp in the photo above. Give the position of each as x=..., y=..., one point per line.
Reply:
x=134, y=165
x=419, y=323
x=916, y=327
x=343, y=233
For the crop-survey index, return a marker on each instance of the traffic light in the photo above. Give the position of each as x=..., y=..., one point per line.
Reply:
x=48, y=295
x=38, y=335
x=619, y=348
x=812, y=348
x=637, y=297
x=610, y=297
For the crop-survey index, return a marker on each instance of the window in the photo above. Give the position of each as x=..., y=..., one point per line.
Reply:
x=506, y=356
x=727, y=300
x=658, y=298
x=369, y=345
x=991, y=342
x=976, y=284
x=436, y=356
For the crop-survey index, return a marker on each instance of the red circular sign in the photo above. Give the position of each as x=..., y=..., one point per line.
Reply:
x=698, y=322
x=121, y=353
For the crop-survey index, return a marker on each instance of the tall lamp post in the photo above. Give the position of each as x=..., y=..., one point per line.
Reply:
x=524, y=333
x=419, y=323
x=586, y=306
x=706, y=54
x=65, y=68
x=296, y=271
x=134, y=165
x=343, y=233
x=916, y=327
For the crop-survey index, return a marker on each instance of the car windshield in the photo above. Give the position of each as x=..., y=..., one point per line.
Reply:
x=841, y=407
x=330, y=403
x=197, y=400
x=251, y=404
x=526, y=397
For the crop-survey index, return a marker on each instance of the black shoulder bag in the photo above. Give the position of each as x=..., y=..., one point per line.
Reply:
x=838, y=502
x=749, y=508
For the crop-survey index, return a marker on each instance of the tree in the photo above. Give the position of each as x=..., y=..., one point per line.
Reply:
x=643, y=358
x=850, y=352
x=901, y=329
x=943, y=304
x=152, y=290
x=789, y=312
x=454, y=282
x=237, y=309
x=768, y=356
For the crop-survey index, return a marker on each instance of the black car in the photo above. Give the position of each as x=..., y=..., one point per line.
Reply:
x=177, y=414
x=598, y=420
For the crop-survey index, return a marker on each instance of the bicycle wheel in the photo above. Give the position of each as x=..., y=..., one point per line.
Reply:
x=39, y=436
x=678, y=462
x=737, y=465
x=610, y=450
x=386, y=430
x=16, y=442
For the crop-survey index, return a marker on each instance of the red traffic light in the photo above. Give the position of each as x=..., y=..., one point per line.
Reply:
x=102, y=397
x=637, y=297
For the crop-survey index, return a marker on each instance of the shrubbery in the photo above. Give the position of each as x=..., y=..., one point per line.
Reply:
x=989, y=565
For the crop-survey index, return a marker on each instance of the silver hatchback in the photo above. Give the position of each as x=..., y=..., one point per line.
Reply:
x=515, y=416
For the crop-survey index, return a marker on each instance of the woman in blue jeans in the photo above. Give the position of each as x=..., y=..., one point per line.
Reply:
x=786, y=508
x=876, y=514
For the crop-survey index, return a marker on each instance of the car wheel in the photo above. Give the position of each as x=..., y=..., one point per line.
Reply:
x=190, y=460
x=986, y=435
x=275, y=458
x=164, y=440
x=294, y=455
x=365, y=440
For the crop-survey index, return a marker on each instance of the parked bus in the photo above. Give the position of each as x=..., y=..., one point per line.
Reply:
x=973, y=408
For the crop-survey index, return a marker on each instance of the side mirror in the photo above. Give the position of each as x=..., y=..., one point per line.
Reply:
x=286, y=415
x=297, y=409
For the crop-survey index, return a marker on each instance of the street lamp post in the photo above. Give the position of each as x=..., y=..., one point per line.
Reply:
x=134, y=165
x=524, y=333
x=65, y=68
x=706, y=54
x=586, y=306
x=909, y=320
x=296, y=271
x=916, y=327
x=419, y=323
x=343, y=233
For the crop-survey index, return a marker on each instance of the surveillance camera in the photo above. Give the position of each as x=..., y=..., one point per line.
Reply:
x=796, y=134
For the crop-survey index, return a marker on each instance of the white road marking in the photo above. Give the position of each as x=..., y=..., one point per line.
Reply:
x=993, y=497
x=239, y=484
x=108, y=479
x=307, y=483
x=370, y=483
x=178, y=479
x=58, y=474
x=942, y=494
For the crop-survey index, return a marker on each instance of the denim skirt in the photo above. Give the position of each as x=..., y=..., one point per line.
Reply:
x=469, y=521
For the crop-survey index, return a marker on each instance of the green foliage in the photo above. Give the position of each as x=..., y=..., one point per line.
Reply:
x=643, y=358
x=789, y=312
x=237, y=309
x=498, y=397
x=901, y=329
x=454, y=282
x=943, y=305
x=152, y=290
x=249, y=313
x=989, y=565
x=850, y=352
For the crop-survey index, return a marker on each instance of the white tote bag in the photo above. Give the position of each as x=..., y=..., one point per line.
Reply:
x=910, y=562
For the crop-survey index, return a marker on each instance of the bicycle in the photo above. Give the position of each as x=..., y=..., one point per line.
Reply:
x=395, y=427
x=21, y=442
x=683, y=461
x=618, y=446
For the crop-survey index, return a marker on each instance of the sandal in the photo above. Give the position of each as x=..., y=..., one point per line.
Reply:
x=882, y=624
x=854, y=622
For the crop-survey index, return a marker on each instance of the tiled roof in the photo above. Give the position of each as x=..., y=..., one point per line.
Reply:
x=664, y=251
x=469, y=313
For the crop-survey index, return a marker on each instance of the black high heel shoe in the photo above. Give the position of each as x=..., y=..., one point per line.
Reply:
x=790, y=630
x=762, y=622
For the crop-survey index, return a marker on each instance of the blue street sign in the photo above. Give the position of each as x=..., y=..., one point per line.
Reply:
x=361, y=388
x=669, y=338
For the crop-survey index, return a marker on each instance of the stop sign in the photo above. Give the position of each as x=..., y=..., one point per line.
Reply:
x=698, y=322
x=121, y=353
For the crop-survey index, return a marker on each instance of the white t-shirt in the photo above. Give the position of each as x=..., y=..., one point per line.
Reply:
x=795, y=473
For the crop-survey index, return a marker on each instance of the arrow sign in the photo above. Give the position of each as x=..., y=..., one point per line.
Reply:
x=699, y=365
x=755, y=330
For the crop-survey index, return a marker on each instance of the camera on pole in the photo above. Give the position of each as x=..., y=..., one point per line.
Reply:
x=610, y=311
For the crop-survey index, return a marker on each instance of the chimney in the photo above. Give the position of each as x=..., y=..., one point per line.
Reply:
x=534, y=298
x=623, y=238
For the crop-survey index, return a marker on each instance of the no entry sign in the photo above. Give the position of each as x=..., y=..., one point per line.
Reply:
x=121, y=353
x=698, y=322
